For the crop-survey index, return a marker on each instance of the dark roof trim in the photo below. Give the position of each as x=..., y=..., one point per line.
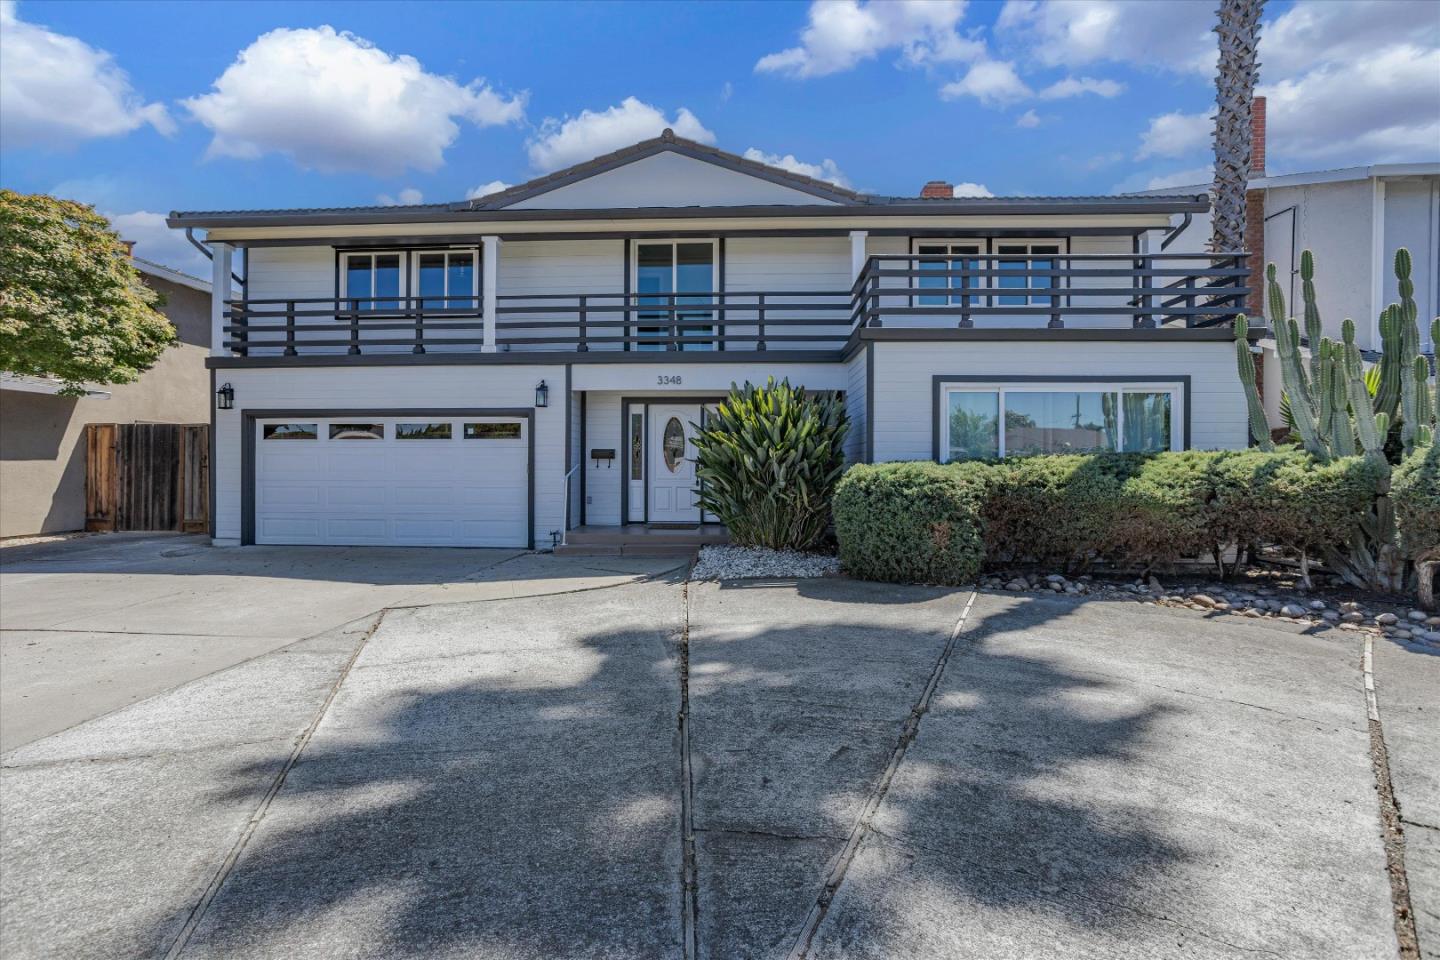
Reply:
x=969, y=206
x=667, y=142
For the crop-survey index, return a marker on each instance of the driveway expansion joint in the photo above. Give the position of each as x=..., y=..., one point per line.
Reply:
x=840, y=866
x=227, y=866
x=1391, y=825
x=689, y=869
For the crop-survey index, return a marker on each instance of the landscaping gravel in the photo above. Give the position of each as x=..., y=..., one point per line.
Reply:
x=731, y=563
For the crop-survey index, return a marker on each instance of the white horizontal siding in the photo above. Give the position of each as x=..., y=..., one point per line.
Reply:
x=603, y=481
x=559, y=266
x=772, y=265
x=385, y=388
x=903, y=406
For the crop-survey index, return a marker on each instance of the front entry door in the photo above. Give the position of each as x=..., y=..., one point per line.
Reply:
x=672, y=463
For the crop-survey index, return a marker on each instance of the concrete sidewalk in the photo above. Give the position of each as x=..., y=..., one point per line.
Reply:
x=92, y=624
x=504, y=779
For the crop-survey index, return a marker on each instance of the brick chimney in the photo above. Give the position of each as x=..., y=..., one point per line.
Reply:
x=1257, y=137
x=938, y=190
x=129, y=248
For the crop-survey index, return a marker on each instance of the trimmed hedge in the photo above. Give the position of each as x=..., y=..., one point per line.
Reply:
x=897, y=521
x=909, y=523
x=1415, y=492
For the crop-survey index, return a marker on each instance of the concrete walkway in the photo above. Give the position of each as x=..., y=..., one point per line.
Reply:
x=92, y=624
x=507, y=779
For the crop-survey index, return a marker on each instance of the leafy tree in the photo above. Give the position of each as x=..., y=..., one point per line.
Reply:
x=72, y=306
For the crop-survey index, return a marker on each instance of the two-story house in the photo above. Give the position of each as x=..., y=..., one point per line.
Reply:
x=496, y=371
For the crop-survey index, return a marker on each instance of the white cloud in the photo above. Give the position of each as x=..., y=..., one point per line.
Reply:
x=826, y=169
x=407, y=197
x=334, y=101
x=1345, y=86
x=1028, y=120
x=1196, y=176
x=971, y=189
x=993, y=82
x=485, y=189
x=1078, y=86
x=842, y=33
x=56, y=90
x=727, y=90
x=1175, y=134
x=561, y=143
x=1168, y=36
x=156, y=242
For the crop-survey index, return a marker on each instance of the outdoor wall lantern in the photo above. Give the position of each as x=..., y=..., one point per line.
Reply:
x=542, y=394
x=225, y=398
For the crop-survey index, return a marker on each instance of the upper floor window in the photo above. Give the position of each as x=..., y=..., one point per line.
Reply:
x=1020, y=260
x=679, y=275
x=372, y=281
x=446, y=279
x=946, y=255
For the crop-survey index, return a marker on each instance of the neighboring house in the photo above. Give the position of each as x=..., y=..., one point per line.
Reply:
x=1352, y=220
x=493, y=372
x=42, y=435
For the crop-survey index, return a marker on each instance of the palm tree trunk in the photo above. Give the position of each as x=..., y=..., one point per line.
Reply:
x=1239, y=28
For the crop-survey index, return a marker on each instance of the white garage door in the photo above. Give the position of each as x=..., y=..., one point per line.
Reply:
x=393, y=481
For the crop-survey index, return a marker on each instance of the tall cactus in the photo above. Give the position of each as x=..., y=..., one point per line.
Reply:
x=1335, y=414
x=1245, y=360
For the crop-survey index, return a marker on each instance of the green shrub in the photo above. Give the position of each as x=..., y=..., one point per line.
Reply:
x=1415, y=492
x=768, y=461
x=910, y=522
x=1133, y=510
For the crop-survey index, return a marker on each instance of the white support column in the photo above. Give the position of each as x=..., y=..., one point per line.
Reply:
x=1379, y=267
x=857, y=253
x=489, y=270
x=219, y=293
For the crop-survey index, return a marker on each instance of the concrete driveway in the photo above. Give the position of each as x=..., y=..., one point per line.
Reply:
x=661, y=769
x=93, y=624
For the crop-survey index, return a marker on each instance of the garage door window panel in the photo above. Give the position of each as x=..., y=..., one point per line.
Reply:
x=422, y=431
x=492, y=431
x=357, y=431
x=291, y=431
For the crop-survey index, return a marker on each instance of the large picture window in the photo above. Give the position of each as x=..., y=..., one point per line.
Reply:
x=446, y=279
x=1001, y=421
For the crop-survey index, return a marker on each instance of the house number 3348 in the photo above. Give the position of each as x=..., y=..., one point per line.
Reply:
x=666, y=380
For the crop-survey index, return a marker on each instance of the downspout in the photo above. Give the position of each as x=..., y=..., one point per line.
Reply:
x=190, y=235
x=1175, y=232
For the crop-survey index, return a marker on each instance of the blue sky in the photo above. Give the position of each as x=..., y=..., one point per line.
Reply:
x=141, y=108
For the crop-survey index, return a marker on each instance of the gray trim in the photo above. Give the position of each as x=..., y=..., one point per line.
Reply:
x=247, y=446
x=447, y=241
x=569, y=459
x=1119, y=334
x=939, y=380
x=210, y=482
x=538, y=358
x=869, y=403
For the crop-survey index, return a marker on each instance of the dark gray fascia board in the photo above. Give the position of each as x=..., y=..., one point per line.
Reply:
x=1018, y=206
x=665, y=143
x=1155, y=334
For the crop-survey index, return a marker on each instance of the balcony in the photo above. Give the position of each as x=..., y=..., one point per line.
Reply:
x=1054, y=291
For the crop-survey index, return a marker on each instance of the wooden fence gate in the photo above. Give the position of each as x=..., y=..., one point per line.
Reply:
x=147, y=476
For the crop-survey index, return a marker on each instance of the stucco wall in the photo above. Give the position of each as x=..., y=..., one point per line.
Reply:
x=42, y=437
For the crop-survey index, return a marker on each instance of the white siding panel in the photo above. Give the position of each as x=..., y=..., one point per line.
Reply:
x=668, y=180
x=559, y=266
x=602, y=482
x=1079, y=246
x=808, y=265
x=903, y=405
x=395, y=388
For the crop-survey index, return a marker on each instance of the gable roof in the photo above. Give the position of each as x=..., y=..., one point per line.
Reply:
x=667, y=142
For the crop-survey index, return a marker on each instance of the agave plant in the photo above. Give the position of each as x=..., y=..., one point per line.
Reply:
x=768, y=461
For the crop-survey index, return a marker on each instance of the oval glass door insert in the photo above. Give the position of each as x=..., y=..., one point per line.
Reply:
x=673, y=444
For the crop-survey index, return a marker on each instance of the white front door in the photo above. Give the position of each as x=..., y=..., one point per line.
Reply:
x=672, y=463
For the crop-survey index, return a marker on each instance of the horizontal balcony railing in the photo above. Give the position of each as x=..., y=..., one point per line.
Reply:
x=925, y=291
x=1141, y=290
x=681, y=321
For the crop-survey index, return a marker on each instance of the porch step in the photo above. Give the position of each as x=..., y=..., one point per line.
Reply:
x=641, y=541
x=628, y=550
